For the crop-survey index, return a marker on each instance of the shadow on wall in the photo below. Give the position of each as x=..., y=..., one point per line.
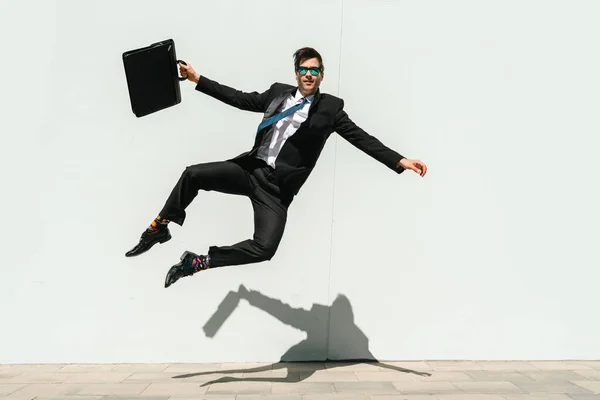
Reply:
x=352, y=347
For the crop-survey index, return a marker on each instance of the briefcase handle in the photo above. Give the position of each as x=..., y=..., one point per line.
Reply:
x=184, y=63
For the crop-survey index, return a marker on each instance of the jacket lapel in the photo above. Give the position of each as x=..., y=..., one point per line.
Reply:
x=279, y=99
x=277, y=102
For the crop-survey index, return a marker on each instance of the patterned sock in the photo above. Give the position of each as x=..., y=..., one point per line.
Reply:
x=158, y=224
x=200, y=263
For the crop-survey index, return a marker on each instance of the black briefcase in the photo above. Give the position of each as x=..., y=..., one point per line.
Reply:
x=152, y=77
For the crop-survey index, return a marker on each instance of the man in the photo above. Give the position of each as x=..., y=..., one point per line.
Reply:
x=297, y=122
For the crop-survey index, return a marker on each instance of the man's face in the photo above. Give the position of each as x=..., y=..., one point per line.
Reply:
x=307, y=82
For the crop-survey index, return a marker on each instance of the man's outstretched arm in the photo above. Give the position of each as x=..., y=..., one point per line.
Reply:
x=247, y=101
x=372, y=146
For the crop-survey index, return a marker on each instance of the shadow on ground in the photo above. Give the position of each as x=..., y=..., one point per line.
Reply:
x=302, y=360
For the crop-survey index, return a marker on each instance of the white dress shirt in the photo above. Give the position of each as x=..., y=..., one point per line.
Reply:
x=286, y=127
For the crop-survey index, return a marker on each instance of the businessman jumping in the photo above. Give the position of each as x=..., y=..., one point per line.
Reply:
x=297, y=121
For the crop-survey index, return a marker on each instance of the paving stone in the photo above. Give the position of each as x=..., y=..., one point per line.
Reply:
x=208, y=378
x=97, y=377
x=455, y=366
x=174, y=389
x=553, y=376
x=426, y=387
x=404, y=397
x=131, y=368
x=139, y=368
x=38, y=377
x=537, y=396
x=129, y=398
x=192, y=368
x=47, y=389
x=268, y=397
x=591, y=364
x=152, y=377
x=559, y=365
x=506, y=366
x=502, y=376
x=470, y=396
x=79, y=398
x=448, y=376
x=59, y=398
x=8, y=388
x=244, y=366
x=298, y=367
x=241, y=387
x=584, y=397
x=291, y=377
x=303, y=388
x=336, y=396
x=5, y=377
x=86, y=368
x=592, y=386
x=488, y=387
x=365, y=387
x=328, y=376
x=32, y=367
x=384, y=376
x=113, y=389
x=275, y=373
x=204, y=397
x=343, y=366
x=552, y=387
x=417, y=366
x=588, y=374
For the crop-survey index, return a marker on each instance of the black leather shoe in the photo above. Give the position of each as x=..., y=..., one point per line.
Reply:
x=181, y=269
x=149, y=239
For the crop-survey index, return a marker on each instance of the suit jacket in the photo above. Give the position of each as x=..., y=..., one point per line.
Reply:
x=300, y=152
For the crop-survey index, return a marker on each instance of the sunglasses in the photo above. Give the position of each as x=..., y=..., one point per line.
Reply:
x=314, y=71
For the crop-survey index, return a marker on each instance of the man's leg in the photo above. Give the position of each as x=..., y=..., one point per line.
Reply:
x=270, y=216
x=220, y=176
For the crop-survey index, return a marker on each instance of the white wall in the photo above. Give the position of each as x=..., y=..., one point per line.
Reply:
x=491, y=256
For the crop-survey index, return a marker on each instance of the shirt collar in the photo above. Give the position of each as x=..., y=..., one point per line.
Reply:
x=298, y=96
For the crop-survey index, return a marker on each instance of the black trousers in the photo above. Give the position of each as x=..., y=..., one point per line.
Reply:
x=247, y=177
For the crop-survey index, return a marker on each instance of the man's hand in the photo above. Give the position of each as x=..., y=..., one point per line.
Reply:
x=188, y=72
x=418, y=166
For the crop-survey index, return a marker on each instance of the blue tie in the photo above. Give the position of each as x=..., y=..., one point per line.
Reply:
x=281, y=115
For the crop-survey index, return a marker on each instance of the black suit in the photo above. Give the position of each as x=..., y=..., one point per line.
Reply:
x=271, y=190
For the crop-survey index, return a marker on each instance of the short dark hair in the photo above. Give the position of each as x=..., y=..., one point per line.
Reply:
x=306, y=53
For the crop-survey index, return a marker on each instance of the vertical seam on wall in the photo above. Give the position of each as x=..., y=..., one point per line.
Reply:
x=333, y=190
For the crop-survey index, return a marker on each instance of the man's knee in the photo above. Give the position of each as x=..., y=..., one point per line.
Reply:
x=197, y=176
x=189, y=171
x=266, y=251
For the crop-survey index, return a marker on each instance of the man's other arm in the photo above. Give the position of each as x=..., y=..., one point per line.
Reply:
x=373, y=147
x=247, y=101
x=370, y=145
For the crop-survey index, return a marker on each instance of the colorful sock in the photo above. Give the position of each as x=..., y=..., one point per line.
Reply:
x=158, y=224
x=200, y=263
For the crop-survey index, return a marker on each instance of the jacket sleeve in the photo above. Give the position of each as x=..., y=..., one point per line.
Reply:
x=254, y=101
x=360, y=139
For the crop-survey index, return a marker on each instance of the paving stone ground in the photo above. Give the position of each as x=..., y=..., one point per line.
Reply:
x=411, y=380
